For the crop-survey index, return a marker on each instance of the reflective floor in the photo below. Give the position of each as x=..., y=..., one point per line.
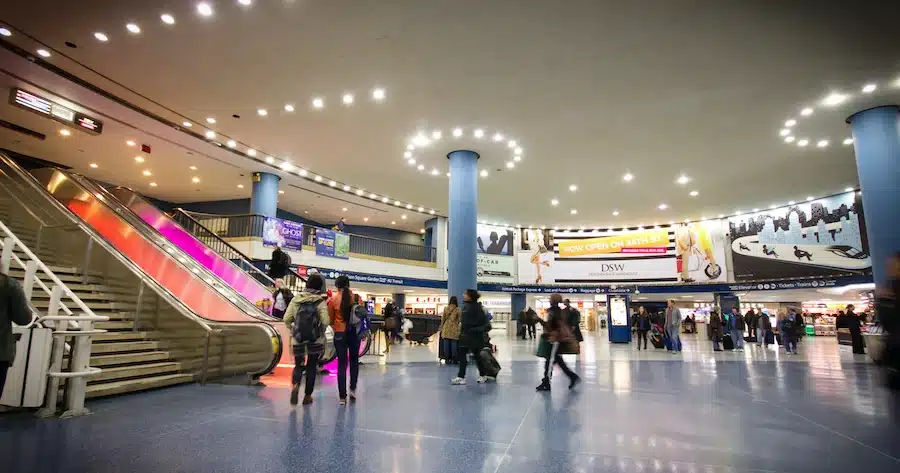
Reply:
x=823, y=410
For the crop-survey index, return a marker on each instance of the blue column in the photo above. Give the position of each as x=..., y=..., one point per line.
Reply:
x=463, y=221
x=876, y=140
x=400, y=301
x=264, y=196
x=517, y=302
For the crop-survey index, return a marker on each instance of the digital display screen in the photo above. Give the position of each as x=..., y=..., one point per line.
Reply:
x=55, y=111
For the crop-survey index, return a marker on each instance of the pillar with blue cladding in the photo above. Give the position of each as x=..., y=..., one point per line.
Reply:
x=517, y=302
x=264, y=195
x=876, y=140
x=463, y=221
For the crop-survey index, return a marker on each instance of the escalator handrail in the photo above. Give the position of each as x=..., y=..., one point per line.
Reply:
x=218, y=238
x=143, y=228
x=160, y=290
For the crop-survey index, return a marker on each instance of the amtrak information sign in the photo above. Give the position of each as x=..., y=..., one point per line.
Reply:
x=55, y=111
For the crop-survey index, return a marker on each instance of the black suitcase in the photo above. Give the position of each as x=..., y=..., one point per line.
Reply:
x=657, y=341
x=442, y=353
x=727, y=342
x=489, y=365
x=770, y=338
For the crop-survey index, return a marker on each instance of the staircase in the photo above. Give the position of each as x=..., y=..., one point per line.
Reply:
x=134, y=356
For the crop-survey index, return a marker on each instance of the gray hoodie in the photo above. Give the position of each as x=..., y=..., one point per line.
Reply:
x=294, y=306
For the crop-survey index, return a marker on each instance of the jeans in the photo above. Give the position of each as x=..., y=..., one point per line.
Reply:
x=761, y=337
x=450, y=348
x=461, y=353
x=4, y=367
x=674, y=336
x=305, y=363
x=737, y=336
x=715, y=342
x=789, y=344
x=556, y=359
x=347, y=343
x=641, y=335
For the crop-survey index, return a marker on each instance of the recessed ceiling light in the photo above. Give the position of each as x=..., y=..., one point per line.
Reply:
x=270, y=159
x=483, y=173
x=822, y=143
x=318, y=102
x=694, y=193
x=436, y=135
x=204, y=9
x=101, y=37
x=721, y=215
x=347, y=99
x=332, y=183
x=393, y=222
x=245, y=3
x=133, y=28
x=849, y=189
x=517, y=151
x=344, y=209
x=810, y=198
x=517, y=158
x=397, y=203
x=411, y=162
x=628, y=177
x=346, y=188
x=365, y=219
x=682, y=179
x=615, y=213
x=360, y=192
x=43, y=53
x=152, y=184
x=802, y=143
x=286, y=166
x=281, y=192
x=373, y=196
x=791, y=203
x=421, y=209
x=422, y=231
x=378, y=94
x=510, y=164
x=232, y=143
x=240, y=186
x=193, y=168
x=806, y=112
x=139, y=159
x=848, y=141
x=435, y=172
x=251, y=152
x=789, y=139
x=784, y=132
x=403, y=216
x=65, y=132
x=210, y=120
x=420, y=167
x=498, y=137
x=5, y=32
x=457, y=132
x=833, y=99
x=756, y=210
x=93, y=165
x=573, y=212
x=478, y=133
x=195, y=180
x=167, y=19
x=431, y=212
x=573, y=188
x=869, y=88
x=318, y=178
x=262, y=112
x=421, y=140
x=302, y=172
x=408, y=206
x=790, y=123
x=187, y=124
x=385, y=199
x=130, y=143
x=662, y=207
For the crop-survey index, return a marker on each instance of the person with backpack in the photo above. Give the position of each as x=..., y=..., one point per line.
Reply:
x=763, y=329
x=347, y=319
x=737, y=329
x=558, y=339
x=786, y=329
x=13, y=310
x=306, y=317
x=473, y=336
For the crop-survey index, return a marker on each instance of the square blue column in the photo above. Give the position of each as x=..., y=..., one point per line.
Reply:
x=463, y=221
x=264, y=195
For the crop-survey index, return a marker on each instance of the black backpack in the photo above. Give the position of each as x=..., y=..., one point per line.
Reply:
x=307, y=326
x=359, y=318
x=788, y=324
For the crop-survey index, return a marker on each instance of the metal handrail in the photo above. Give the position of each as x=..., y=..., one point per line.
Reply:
x=161, y=291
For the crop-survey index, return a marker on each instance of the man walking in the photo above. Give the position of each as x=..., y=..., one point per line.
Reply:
x=673, y=326
x=737, y=329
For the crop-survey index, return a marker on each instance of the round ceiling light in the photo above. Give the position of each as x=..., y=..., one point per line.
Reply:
x=167, y=19
x=378, y=94
x=347, y=99
x=43, y=53
x=204, y=9
x=682, y=179
x=262, y=112
x=457, y=132
x=483, y=173
x=694, y=193
x=628, y=177
x=101, y=37
x=478, y=133
x=5, y=32
x=318, y=103
x=573, y=188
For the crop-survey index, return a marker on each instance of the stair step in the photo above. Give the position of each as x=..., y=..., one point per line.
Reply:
x=122, y=347
x=139, y=384
x=114, y=325
x=124, y=336
x=101, y=361
x=144, y=370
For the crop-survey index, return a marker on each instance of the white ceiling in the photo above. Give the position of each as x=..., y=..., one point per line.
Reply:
x=590, y=89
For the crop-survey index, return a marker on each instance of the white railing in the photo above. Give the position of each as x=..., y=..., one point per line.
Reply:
x=63, y=320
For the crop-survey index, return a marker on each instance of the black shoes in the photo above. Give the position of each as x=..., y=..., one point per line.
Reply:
x=544, y=386
x=574, y=381
x=295, y=393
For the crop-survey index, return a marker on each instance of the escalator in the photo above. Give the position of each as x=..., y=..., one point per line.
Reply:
x=194, y=320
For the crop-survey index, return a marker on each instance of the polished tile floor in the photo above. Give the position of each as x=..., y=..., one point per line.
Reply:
x=697, y=412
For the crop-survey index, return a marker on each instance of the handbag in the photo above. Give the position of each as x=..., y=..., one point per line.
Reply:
x=543, y=347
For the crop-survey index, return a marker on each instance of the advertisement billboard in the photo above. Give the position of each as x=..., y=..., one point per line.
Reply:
x=284, y=233
x=495, y=240
x=815, y=238
x=495, y=248
x=332, y=244
x=682, y=253
x=496, y=269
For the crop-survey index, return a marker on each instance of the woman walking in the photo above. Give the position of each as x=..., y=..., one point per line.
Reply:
x=450, y=330
x=642, y=326
x=715, y=330
x=558, y=335
x=346, y=339
x=306, y=317
x=473, y=336
x=281, y=299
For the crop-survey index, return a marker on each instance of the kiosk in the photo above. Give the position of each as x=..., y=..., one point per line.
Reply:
x=618, y=319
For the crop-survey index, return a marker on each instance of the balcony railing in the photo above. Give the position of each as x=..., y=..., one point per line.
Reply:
x=251, y=225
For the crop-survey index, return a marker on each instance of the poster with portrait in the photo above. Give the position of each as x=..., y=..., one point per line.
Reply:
x=284, y=233
x=681, y=253
x=493, y=240
x=822, y=237
x=535, y=257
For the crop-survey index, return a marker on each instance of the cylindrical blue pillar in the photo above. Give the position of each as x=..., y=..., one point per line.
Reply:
x=264, y=196
x=400, y=301
x=517, y=303
x=876, y=140
x=463, y=220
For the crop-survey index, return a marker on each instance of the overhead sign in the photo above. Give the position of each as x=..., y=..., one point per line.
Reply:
x=55, y=111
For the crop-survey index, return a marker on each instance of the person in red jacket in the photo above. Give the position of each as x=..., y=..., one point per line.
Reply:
x=346, y=340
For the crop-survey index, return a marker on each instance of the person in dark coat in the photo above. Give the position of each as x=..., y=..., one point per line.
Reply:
x=642, y=325
x=278, y=266
x=750, y=319
x=573, y=318
x=851, y=322
x=715, y=330
x=474, y=326
x=562, y=340
x=532, y=323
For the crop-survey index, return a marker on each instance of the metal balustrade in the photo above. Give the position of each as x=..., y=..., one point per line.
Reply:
x=251, y=225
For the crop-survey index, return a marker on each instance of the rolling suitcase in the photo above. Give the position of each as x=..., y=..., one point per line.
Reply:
x=727, y=342
x=657, y=341
x=770, y=338
x=489, y=365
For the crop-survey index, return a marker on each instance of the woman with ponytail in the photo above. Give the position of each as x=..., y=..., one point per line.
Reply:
x=346, y=339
